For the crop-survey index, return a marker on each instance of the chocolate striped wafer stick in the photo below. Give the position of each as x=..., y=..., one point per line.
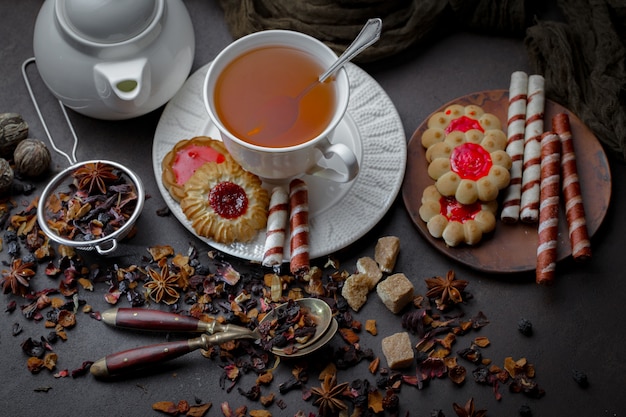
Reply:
x=529, y=204
x=574, y=209
x=299, y=224
x=516, y=126
x=276, y=226
x=548, y=229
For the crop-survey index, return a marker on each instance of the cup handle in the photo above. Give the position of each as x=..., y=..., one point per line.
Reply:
x=347, y=158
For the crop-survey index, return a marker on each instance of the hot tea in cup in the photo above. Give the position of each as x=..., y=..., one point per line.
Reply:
x=273, y=115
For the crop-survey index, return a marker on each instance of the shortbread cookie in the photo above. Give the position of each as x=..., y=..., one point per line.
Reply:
x=185, y=158
x=454, y=222
x=225, y=203
x=465, y=148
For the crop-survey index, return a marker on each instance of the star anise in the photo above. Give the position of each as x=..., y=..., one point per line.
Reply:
x=468, y=410
x=17, y=279
x=163, y=286
x=94, y=174
x=329, y=401
x=446, y=290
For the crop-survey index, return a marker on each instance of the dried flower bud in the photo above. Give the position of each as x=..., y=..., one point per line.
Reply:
x=6, y=176
x=31, y=157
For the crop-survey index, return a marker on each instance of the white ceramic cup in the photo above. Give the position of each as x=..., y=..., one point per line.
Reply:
x=276, y=164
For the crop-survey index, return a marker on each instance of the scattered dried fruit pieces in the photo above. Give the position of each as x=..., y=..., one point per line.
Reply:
x=525, y=327
x=370, y=327
x=181, y=408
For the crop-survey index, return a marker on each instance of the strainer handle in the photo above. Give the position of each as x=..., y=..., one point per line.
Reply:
x=106, y=251
x=71, y=158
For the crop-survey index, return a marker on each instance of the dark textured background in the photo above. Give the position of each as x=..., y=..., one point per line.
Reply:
x=578, y=322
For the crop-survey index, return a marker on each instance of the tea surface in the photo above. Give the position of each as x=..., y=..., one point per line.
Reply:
x=248, y=85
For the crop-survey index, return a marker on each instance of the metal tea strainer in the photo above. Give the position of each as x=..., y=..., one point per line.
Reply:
x=106, y=241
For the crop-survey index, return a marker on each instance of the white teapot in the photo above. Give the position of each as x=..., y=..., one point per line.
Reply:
x=113, y=59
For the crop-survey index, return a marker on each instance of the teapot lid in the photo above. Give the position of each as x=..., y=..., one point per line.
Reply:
x=107, y=21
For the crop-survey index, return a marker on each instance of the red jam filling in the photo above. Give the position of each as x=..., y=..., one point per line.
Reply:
x=455, y=211
x=189, y=159
x=228, y=200
x=463, y=124
x=470, y=161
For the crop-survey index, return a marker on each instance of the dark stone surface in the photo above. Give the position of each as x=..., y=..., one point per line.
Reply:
x=577, y=323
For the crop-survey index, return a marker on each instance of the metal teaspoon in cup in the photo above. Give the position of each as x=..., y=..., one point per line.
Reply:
x=281, y=112
x=213, y=333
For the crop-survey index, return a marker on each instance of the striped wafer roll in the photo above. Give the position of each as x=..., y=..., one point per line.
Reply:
x=299, y=224
x=276, y=226
x=574, y=209
x=516, y=126
x=529, y=204
x=548, y=229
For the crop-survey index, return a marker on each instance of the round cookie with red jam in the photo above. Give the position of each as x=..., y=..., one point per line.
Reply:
x=185, y=158
x=465, y=149
x=454, y=222
x=225, y=203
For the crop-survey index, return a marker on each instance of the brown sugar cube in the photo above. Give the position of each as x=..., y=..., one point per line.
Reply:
x=367, y=266
x=395, y=292
x=386, y=252
x=398, y=350
x=355, y=290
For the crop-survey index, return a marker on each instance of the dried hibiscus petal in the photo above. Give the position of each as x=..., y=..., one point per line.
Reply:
x=82, y=370
x=33, y=348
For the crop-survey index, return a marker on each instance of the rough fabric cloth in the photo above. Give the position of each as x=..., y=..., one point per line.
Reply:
x=581, y=58
x=583, y=62
x=405, y=22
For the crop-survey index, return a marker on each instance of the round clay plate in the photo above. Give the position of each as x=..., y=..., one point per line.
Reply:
x=513, y=247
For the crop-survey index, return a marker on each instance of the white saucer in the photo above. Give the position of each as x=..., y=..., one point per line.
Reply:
x=339, y=213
